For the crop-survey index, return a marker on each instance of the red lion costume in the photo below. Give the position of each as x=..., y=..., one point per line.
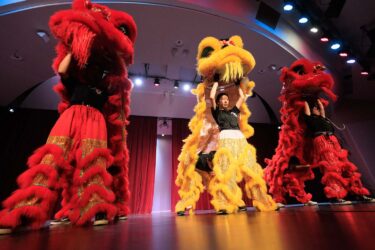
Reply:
x=86, y=153
x=306, y=81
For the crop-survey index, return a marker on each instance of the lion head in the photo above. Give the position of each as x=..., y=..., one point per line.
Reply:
x=224, y=60
x=305, y=79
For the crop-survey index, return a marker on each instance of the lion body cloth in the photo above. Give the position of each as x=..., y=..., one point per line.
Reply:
x=306, y=81
x=233, y=161
x=86, y=155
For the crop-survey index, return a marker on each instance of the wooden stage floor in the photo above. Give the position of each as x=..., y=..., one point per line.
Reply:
x=322, y=227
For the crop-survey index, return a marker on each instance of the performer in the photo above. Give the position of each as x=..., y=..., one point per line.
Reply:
x=223, y=65
x=86, y=154
x=293, y=161
x=340, y=176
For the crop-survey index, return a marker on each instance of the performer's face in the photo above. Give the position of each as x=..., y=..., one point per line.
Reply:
x=224, y=102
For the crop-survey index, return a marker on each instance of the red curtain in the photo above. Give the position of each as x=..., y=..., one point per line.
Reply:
x=142, y=133
x=180, y=131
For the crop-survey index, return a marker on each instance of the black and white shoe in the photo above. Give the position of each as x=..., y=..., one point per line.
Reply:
x=5, y=230
x=366, y=199
x=122, y=217
x=242, y=209
x=311, y=203
x=222, y=212
x=342, y=202
x=62, y=221
x=100, y=219
x=181, y=213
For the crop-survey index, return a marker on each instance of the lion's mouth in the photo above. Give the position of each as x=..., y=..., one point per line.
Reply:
x=231, y=72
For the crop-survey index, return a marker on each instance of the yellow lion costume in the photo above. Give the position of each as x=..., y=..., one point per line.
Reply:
x=227, y=62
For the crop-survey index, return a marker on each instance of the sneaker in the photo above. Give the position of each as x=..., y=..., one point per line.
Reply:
x=365, y=198
x=242, y=209
x=5, y=230
x=280, y=205
x=181, y=213
x=222, y=212
x=342, y=202
x=62, y=221
x=311, y=203
x=122, y=217
x=100, y=219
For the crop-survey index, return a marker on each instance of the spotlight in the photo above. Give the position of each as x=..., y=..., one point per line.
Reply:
x=324, y=39
x=335, y=46
x=11, y=110
x=163, y=135
x=157, y=82
x=138, y=81
x=279, y=127
x=314, y=30
x=176, y=84
x=350, y=61
x=288, y=6
x=303, y=20
x=186, y=87
x=343, y=54
x=364, y=72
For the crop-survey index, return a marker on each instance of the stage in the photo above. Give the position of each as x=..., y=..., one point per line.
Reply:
x=316, y=227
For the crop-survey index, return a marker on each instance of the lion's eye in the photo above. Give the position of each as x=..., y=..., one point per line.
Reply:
x=207, y=52
x=299, y=69
x=124, y=29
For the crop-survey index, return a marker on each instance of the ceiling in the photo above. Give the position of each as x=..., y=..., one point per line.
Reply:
x=169, y=32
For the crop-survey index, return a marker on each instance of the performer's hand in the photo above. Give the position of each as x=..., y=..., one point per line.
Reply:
x=64, y=65
x=321, y=108
x=307, y=109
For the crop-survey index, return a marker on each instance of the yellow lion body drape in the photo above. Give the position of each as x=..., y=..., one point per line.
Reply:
x=235, y=158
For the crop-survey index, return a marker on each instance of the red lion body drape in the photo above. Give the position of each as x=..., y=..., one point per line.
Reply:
x=86, y=153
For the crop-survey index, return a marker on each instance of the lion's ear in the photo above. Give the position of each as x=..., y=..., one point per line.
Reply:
x=237, y=41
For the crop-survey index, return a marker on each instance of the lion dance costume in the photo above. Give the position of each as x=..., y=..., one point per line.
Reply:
x=306, y=81
x=86, y=153
x=235, y=159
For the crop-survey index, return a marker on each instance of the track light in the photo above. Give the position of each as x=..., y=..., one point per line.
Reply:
x=187, y=87
x=176, y=84
x=351, y=61
x=303, y=20
x=335, y=45
x=288, y=6
x=343, y=54
x=157, y=82
x=138, y=81
x=314, y=30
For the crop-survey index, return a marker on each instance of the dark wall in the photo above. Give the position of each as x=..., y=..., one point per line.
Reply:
x=20, y=134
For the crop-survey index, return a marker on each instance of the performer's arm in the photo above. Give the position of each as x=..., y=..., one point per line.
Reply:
x=241, y=99
x=63, y=70
x=212, y=95
x=307, y=109
x=321, y=109
x=64, y=65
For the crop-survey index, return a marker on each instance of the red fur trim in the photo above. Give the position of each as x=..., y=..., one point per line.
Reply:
x=90, y=173
x=92, y=157
x=94, y=188
x=55, y=150
x=292, y=142
x=13, y=219
x=85, y=218
x=37, y=214
x=27, y=177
